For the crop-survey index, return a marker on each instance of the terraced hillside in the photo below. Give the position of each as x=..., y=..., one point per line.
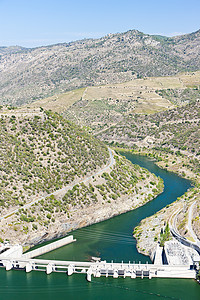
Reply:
x=30, y=74
x=180, y=96
x=105, y=106
x=142, y=112
x=176, y=129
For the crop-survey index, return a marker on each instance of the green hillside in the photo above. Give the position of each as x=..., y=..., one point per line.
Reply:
x=65, y=176
x=41, y=153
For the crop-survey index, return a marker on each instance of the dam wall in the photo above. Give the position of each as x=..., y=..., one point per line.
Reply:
x=99, y=269
x=11, y=251
x=50, y=247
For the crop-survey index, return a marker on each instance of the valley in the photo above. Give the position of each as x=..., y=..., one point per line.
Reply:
x=147, y=115
x=61, y=140
x=99, y=150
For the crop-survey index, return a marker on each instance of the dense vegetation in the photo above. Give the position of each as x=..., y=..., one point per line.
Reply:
x=124, y=180
x=41, y=153
x=165, y=235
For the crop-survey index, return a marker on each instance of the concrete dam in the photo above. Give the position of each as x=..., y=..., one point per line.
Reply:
x=11, y=257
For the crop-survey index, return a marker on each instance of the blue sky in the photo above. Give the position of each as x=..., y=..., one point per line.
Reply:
x=40, y=22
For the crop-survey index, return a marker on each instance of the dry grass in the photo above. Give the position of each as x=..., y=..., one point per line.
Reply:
x=139, y=93
x=57, y=103
x=190, y=79
x=143, y=91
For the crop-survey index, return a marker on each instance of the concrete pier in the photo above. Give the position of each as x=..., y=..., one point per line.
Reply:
x=49, y=247
x=10, y=251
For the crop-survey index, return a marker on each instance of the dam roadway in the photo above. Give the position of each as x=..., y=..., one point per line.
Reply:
x=12, y=257
x=98, y=269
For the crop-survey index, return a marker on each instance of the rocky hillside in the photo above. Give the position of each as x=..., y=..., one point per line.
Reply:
x=184, y=212
x=180, y=96
x=121, y=188
x=55, y=177
x=104, y=106
x=152, y=229
x=12, y=50
x=40, y=153
x=176, y=129
x=30, y=74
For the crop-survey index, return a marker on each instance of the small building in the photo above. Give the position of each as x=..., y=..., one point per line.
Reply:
x=177, y=254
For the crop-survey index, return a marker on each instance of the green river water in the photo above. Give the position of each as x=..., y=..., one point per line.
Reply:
x=111, y=240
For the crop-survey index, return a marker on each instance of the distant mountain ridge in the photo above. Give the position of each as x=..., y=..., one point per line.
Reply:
x=12, y=49
x=30, y=74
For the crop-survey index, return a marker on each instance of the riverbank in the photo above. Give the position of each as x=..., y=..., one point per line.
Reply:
x=123, y=187
x=183, y=164
x=111, y=240
x=150, y=231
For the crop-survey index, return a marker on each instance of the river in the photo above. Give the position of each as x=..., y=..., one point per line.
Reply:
x=111, y=240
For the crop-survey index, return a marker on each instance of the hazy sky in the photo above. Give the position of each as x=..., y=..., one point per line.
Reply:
x=32, y=23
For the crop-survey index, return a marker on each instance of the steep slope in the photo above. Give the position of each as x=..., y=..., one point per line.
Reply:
x=55, y=177
x=30, y=74
x=41, y=152
x=176, y=129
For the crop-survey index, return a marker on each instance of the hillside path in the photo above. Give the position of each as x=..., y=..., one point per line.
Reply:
x=66, y=188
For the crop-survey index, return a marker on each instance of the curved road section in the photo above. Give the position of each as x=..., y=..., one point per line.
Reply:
x=189, y=225
x=172, y=224
x=110, y=164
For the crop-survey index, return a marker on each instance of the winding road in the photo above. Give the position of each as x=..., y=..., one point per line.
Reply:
x=189, y=225
x=172, y=224
x=66, y=188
